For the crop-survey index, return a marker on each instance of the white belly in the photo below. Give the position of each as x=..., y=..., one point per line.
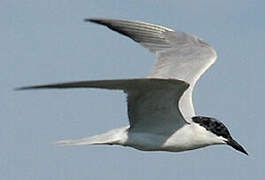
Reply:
x=181, y=140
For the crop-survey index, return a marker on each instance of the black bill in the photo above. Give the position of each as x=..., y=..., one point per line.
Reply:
x=235, y=145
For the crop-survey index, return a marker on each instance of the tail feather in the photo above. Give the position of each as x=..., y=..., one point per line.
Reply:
x=116, y=136
x=82, y=141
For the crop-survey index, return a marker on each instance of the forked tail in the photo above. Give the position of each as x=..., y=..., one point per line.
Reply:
x=115, y=136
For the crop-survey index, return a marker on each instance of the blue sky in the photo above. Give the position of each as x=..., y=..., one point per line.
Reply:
x=47, y=41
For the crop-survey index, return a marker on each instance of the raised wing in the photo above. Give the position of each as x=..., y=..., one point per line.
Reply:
x=180, y=55
x=152, y=103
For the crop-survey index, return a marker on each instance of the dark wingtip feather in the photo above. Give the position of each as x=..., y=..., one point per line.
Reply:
x=88, y=20
x=47, y=86
x=20, y=88
x=94, y=20
x=30, y=88
x=104, y=22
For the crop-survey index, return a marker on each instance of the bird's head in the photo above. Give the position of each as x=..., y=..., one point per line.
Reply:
x=219, y=132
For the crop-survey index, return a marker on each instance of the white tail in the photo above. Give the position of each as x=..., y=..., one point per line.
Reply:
x=115, y=136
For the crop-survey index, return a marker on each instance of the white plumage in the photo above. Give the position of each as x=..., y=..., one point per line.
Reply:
x=160, y=106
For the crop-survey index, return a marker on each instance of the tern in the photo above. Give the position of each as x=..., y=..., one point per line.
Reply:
x=160, y=109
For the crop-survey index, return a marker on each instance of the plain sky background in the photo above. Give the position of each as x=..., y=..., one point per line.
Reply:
x=47, y=41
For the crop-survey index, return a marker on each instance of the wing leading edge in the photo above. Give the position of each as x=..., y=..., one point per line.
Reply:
x=152, y=103
x=181, y=55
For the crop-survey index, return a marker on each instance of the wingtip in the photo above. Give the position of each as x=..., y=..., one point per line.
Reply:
x=101, y=21
x=21, y=88
x=88, y=20
x=17, y=89
x=60, y=143
x=29, y=88
x=93, y=20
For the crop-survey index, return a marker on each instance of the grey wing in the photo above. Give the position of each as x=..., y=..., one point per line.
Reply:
x=180, y=55
x=156, y=109
x=152, y=103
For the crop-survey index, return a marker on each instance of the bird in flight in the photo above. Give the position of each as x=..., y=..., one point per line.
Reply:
x=160, y=109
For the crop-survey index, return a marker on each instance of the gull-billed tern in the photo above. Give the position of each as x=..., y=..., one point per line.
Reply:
x=160, y=109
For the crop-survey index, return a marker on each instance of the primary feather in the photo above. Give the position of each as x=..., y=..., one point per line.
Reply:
x=180, y=55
